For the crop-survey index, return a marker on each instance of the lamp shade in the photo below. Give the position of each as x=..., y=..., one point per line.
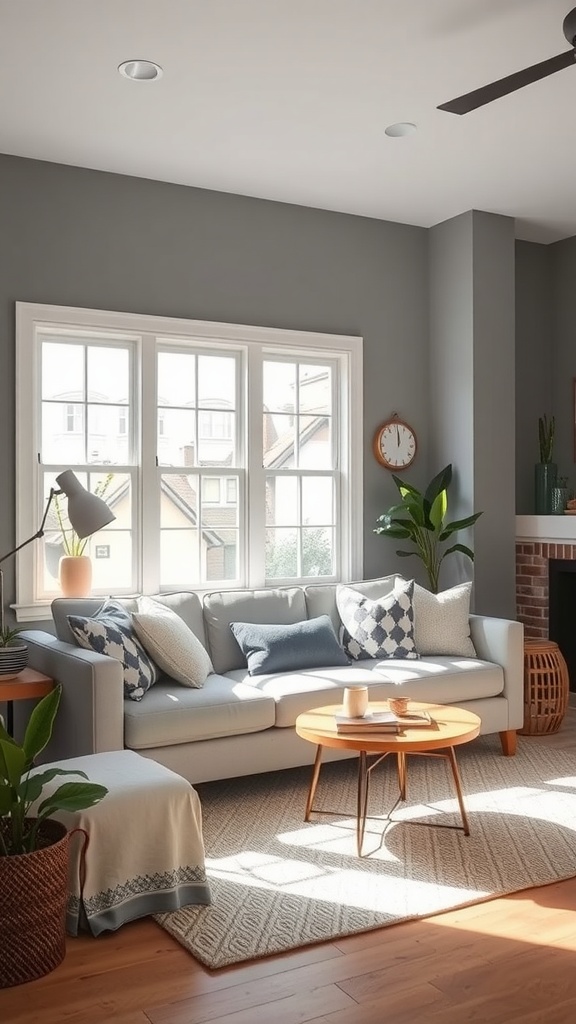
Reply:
x=86, y=511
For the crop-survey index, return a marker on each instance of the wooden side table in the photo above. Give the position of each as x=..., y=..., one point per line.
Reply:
x=546, y=687
x=25, y=686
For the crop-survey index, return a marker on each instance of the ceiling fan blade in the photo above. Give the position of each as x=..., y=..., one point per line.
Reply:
x=504, y=86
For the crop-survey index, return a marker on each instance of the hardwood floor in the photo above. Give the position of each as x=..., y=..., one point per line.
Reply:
x=508, y=960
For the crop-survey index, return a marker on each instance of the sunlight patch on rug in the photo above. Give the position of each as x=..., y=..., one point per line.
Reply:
x=278, y=883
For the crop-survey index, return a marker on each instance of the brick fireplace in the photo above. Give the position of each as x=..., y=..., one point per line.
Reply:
x=546, y=581
x=532, y=581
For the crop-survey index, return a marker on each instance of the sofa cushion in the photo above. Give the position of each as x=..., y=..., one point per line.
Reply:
x=442, y=621
x=185, y=603
x=171, y=643
x=311, y=643
x=173, y=714
x=436, y=680
x=109, y=631
x=382, y=628
x=321, y=597
x=279, y=607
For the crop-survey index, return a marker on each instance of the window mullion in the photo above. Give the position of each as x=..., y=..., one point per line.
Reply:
x=148, y=490
x=252, y=447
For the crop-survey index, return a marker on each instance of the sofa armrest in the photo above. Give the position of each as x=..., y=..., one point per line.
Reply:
x=502, y=642
x=90, y=718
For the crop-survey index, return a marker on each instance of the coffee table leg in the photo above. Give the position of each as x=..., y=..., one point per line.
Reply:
x=401, y=766
x=313, y=782
x=361, y=800
x=458, y=785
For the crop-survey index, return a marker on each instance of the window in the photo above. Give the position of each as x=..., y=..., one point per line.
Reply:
x=230, y=455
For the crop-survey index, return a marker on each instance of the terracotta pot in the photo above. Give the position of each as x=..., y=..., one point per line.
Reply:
x=75, y=575
x=33, y=900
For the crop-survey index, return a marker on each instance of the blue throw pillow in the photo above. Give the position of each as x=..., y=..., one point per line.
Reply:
x=275, y=648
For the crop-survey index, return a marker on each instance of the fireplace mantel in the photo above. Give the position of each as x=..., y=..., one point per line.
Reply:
x=546, y=528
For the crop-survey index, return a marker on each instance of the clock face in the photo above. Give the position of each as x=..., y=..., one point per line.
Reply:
x=395, y=444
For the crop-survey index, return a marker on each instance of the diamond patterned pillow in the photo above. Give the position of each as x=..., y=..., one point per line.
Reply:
x=110, y=632
x=382, y=628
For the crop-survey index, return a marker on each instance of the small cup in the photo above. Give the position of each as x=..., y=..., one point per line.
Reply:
x=399, y=705
x=355, y=701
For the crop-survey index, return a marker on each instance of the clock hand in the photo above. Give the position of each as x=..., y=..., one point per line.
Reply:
x=397, y=436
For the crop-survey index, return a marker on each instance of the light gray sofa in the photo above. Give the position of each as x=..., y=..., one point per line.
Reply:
x=238, y=724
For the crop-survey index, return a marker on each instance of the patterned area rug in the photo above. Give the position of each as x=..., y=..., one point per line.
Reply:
x=278, y=883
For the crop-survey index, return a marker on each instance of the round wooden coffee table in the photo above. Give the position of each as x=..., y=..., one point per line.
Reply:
x=451, y=727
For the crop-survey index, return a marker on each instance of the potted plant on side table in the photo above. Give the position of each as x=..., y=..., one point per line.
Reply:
x=13, y=653
x=34, y=850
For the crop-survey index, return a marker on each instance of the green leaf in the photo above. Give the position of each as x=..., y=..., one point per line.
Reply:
x=462, y=548
x=407, y=488
x=438, y=510
x=5, y=799
x=39, y=728
x=72, y=796
x=441, y=482
x=459, y=524
x=12, y=762
x=31, y=787
x=399, y=533
x=406, y=554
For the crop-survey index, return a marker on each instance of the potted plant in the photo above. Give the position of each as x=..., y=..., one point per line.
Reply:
x=13, y=653
x=75, y=567
x=34, y=850
x=546, y=470
x=421, y=518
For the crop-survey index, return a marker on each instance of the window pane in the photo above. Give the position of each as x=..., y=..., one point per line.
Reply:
x=317, y=500
x=176, y=379
x=315, y=389
x=232, y=490
x=217, y=382
x=108, y=374
x=62, y=370
x=108, y=438
x=179, y=501
x=281, y=553
x=317, y=552
x=63, y=433
x=314, y=451
x=221, y=556
x=176, y=437
x=179, y=562
x=217, y=451
x=211, y=490
x=279, y=441
x=282, y=501
x=279, y=383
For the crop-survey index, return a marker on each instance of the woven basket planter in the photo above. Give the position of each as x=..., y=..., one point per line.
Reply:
x=33, y=899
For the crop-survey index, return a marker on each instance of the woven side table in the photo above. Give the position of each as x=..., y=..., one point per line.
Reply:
x=546, y=687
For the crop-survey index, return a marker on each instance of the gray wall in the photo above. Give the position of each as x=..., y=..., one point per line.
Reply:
x=473, y=394
x=563, y=269
x=84, y=238
x=534, y=364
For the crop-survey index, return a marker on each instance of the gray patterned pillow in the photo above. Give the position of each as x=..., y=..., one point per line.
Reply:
x=109, y=631
x=382, y=628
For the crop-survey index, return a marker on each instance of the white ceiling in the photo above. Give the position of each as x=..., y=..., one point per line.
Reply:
x=288, y=100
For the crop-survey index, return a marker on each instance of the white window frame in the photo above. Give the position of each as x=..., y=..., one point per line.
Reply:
x=145, y=331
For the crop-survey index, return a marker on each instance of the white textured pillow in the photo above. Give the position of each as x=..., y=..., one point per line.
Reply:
x=177, y=650
x=442, y=621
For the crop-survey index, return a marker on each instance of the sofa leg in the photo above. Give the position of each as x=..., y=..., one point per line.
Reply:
x=508, y=741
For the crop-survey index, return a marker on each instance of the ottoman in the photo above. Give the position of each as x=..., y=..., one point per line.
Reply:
x=144, y=853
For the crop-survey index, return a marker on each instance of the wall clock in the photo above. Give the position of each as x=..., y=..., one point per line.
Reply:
x=395, y=444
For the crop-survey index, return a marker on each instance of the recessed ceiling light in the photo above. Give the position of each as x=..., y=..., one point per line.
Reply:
x=140, y=70
x=396, y=131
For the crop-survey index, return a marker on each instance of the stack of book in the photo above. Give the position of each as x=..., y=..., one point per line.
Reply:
x=382, y=721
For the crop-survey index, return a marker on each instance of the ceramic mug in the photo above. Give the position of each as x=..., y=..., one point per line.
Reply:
x=355, y=701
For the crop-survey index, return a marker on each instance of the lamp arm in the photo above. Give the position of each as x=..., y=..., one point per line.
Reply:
x=39, y=533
